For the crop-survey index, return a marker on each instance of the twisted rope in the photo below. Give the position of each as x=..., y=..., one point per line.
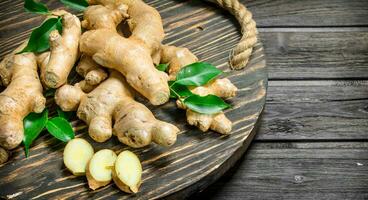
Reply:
x=241, y=53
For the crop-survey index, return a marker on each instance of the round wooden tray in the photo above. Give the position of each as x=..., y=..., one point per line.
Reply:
x=194, y=162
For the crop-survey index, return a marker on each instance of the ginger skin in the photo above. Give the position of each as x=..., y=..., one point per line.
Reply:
x=4, y=156
x=22, y=96
x=92, y=72
x=58, y=62
x=130, y=56
x=179, y=57
x=134, y=126
x=144, y=21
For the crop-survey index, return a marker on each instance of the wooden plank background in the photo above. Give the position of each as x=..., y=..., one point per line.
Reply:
x=313, y=141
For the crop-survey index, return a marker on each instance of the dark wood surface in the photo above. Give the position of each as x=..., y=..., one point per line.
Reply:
x=313, y=139
x=194, y=162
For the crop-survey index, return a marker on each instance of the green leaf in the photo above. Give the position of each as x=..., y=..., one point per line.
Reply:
x=39, y=40
x=50, y=92
x=60, y=128
x=197, y=74
x=35, y=7
x=162, y=67
x=179, y=91
x=79, y=5
x=209, y=104
x=65, y=115
x=33, y=126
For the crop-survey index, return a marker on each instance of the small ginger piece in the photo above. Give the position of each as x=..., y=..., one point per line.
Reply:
x=179, y=57
x=127, y=172
x=77, y=153
x=57, y=63
x=4, y=156
x=22, y=95
x=92, y=72
x=99, y=169
x=110, y=101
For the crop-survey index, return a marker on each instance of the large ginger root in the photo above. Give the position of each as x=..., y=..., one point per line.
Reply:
x=99, y=169
x=144, y=21
x=92, y=72
x=130, y=56
x=127, y=172
x=180, y=57
x=58, y=62
x=22, y=96
x=135, y=125
x=77, y=153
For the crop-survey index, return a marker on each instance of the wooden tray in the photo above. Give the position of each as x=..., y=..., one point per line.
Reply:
x=194, y=162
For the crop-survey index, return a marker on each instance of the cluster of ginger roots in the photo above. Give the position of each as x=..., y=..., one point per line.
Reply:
x=116, y=54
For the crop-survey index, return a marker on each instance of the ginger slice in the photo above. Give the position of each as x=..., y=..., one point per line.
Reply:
x=99, y=169
x=77, y=154
x=127, y=173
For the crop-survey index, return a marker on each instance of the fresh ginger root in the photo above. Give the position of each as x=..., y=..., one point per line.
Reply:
x=179, y=57
x=57, y=63
x=99, y=169
x=135, y=124
x=127, y=172
x=77, y=154
x=92, y=72
x=22, y=96
x=130, y=56
x=144, y=21
x=4, y=156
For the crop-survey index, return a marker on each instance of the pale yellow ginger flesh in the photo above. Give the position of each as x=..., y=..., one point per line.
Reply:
x=4, y=156
x=57, y=63
x=144, y=21
x=22, y=96
x=177, y=58
x=129, y=57
x=135, y=124
x=99, y=169
x=127, y=172
x=77, y=153
x=92, y=72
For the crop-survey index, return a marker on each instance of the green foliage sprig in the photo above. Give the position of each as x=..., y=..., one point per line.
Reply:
x=39, y=40
x=194, y=75
x=35, y=123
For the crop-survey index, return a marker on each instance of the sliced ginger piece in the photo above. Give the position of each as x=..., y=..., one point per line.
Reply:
x=100, y=168
x=77, y=153
x=127, y=172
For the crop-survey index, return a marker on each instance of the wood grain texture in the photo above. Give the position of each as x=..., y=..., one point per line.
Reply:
x=303, y=170
x=166, y=170
x=316, y=110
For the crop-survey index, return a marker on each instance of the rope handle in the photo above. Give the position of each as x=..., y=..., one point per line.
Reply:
x=241, y=53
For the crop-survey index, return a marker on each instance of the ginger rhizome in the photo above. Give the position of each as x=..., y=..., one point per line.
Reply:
x=130, y=56
x=92, y=72
x=113, y=100
x=23, y=95
x=57, y=63
x=4, y=155
x=179, y=57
